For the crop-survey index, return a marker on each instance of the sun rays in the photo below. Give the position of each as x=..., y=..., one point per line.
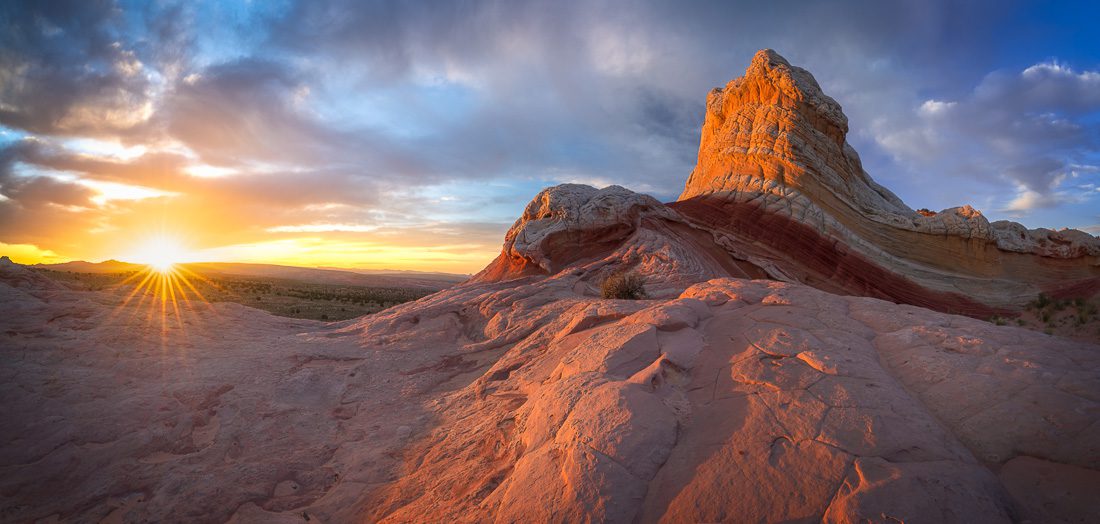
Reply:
x=163, y=293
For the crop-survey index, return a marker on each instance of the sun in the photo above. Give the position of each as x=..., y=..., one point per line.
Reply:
x=161, y=253
x=162, y=264
x=165, y=279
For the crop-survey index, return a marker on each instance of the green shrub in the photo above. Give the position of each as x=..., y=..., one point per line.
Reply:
x=629, y=286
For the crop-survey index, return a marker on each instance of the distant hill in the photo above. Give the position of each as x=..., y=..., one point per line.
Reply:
x=404, y=272
x=331, y=276
x=80, y=266
x=366, y=278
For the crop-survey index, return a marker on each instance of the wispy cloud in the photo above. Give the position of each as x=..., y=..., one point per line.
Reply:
x=1031, y=130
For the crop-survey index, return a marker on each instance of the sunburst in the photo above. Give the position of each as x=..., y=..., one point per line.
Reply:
x=161, y=253
x=164, y=282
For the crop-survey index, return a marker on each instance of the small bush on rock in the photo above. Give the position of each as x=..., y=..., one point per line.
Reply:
x=629, y=286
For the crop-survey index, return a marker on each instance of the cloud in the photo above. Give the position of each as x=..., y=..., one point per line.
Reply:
x=30, y=254
x=244, y=111
x=323, y=228
x=1042, y=174
x=1028, y=200
x=1046, y=86
x=934, y=108
x=62, y=70
x=36, y=190
x=1028, y=130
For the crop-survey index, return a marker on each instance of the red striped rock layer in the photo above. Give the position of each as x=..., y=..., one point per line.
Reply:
x=592, y=233
x=595, y=232
x=773, y=151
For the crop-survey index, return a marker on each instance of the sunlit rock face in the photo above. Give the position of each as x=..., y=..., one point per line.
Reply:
x=774, y=130
x=773, y=138
x=779, y=193
x=776, y=176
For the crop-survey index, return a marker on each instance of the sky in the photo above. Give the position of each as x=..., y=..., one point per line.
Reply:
x=410, y=135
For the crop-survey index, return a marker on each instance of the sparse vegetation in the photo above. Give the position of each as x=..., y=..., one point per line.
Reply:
x=1040, y=302
x=288, y=298
x=1085, y=311
x=1073, y=317
x=627, y=285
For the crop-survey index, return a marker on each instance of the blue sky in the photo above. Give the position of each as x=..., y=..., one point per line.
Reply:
x=412, y=133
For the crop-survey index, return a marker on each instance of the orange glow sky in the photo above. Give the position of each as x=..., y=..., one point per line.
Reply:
x=393, y=135
x=103, y=200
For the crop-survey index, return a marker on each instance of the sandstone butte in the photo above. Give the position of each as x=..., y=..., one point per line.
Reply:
x=798, y=361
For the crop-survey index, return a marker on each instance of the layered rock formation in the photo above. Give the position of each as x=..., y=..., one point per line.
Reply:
x=779, y=193
x=522, y=396
x=595, y=232
x=775, y=174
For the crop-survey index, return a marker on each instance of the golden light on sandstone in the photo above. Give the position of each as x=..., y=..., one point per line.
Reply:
x=793, y=351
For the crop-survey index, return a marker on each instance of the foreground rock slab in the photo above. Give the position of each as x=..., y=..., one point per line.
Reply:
x=530, y=401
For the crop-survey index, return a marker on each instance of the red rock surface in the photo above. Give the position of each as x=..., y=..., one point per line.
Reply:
x=533, y=400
